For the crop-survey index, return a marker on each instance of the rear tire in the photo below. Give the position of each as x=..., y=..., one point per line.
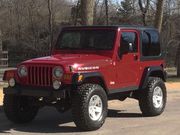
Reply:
x=152, y=100
x=89, y=107
x=19, y=109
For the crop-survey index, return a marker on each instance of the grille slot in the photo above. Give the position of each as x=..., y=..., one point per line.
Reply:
x=40, y=75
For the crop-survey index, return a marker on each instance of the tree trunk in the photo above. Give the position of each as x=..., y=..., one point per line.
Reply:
x=134, y=6
x=159, y=15
x=0, y=47
x=87, y=12
x=144, y=8
x=178, y=68
x=107, y=12
x=77, y=13
x=178, y=61
x=95, y=11
x=178, y=7
x=50, y=24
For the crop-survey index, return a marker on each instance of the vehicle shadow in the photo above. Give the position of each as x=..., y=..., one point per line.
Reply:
x=48, y=120
x=122, y=114
x=51, y=121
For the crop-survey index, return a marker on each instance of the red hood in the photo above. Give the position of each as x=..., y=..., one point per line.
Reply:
x=71, y=59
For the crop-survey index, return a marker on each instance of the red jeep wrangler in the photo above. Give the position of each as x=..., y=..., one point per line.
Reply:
x=90, y=65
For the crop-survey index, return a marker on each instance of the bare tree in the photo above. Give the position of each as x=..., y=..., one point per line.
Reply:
x=50, y=23
x=107, y=12
x=134, y=6
x=178, y=50
x=178, y=61
x=87, y=12
x=159, y=15
x=96, y=4
x=144, y=8
x=77, y=12
x=31, y=25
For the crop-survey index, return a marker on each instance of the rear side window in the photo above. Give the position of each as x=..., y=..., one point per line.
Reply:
x=151, y=43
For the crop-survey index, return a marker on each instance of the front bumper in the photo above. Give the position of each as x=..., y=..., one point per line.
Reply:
x=35, y=91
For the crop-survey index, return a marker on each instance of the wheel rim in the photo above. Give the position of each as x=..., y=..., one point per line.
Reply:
x=158, y=97
x=95, y=107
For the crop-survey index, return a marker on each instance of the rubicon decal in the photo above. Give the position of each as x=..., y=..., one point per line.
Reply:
x=88, y=68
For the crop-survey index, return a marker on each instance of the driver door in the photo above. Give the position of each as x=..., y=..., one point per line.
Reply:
x=128, y=63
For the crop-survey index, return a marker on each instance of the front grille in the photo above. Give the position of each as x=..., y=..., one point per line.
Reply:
x=40, y=75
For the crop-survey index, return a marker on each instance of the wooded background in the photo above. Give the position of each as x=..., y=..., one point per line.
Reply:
x=29, y=28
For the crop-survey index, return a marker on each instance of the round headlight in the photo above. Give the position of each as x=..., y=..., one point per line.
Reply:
x=11, y=82
x=22, y=71
x=58, y=72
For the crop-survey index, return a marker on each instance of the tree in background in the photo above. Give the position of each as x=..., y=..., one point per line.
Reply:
x=144, y=6
x=29, y=24
x=125, y=11
x=107, y=12
x=159, y=15
x=50, y=10
x=75, y=13
x=178, y=51
x=87, y=12
x=25, y=25
x=178, y=61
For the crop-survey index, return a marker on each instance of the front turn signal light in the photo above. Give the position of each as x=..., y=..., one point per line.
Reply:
x=80, y=78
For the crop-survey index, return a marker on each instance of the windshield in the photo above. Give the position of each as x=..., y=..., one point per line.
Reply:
x=86, y=40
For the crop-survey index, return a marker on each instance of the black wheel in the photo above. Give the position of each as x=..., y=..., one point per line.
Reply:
x=19, y=109
x=152, y=100
x=89, y=107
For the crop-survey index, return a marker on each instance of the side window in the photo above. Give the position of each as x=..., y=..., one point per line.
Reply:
x=151, y=43
x=129, y=39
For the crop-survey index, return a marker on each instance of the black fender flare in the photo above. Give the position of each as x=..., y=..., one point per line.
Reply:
x=75, y=76
x=149, y=71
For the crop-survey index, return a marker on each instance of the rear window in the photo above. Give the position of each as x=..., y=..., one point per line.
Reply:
x=151, y=43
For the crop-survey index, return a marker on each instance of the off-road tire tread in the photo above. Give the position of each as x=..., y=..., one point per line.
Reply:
x=145, y=101
x=79, y=106
x=10, y=106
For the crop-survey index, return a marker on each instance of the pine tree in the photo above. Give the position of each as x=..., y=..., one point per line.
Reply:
x=125, y=12
x=126, y=9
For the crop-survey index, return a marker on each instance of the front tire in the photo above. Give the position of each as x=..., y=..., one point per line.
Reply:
x=89, y=107
x=152, y=100
x=19, y=109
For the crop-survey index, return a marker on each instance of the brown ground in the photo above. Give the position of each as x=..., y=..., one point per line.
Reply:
x=173, y=85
